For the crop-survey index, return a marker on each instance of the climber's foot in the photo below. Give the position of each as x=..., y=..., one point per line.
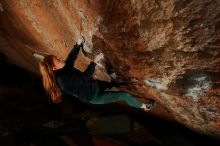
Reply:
x=148, y=106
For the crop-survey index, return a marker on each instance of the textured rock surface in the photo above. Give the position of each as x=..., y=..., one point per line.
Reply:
x=168, y=50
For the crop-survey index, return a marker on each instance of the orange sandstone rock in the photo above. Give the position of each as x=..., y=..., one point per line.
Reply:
x=168, y=50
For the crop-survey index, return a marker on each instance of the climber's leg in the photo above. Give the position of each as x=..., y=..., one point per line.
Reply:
x=114, y=96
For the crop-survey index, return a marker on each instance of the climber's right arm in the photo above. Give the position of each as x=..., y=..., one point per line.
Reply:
x=72, y=56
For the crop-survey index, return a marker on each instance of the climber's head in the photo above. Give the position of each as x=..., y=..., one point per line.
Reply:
x=58, y=63
x=47, y=67
x=54, y=62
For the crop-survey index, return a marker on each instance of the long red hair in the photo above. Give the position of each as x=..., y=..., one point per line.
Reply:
x=49, y=83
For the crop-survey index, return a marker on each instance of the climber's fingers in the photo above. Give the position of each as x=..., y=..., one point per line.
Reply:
x=81, y=40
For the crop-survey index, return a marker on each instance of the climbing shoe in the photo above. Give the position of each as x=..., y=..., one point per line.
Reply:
x=148, y=106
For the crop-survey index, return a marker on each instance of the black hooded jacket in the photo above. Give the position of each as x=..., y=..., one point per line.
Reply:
x=74, y=82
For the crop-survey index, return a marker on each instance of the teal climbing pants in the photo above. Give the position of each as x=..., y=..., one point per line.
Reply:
x=114, y=96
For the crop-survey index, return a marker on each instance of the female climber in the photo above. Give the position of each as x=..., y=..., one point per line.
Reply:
x=62, y=77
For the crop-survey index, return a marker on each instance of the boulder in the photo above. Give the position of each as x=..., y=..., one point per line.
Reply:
x=167, y=50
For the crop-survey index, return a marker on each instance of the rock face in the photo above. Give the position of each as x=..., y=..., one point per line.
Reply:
x=168, y=50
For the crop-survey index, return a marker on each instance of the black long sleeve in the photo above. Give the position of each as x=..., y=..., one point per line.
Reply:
x=73, y=81
x=72, y=56
x=90, y=70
